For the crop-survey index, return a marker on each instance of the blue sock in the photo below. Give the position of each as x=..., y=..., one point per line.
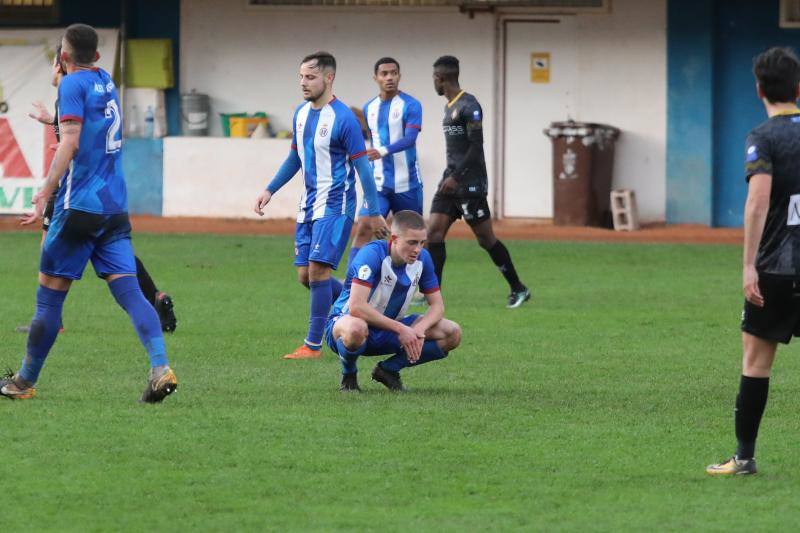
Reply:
x=44, y=330
x=336, y=289
x=347, y=357
x=129, y=296
x=320, y=305
x=350, y=257
x=430, y=352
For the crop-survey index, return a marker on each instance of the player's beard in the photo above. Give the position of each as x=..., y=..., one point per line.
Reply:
x=314, y=96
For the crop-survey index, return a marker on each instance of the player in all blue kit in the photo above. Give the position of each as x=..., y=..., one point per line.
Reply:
x=394, y=119
x=328, y=147
x=369, y=318
x=90, y=221
x=161, y=301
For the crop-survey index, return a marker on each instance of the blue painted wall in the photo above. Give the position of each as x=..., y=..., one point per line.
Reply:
x=743, y=29
x=690, y=50
x=712, y=103
x=143, y=165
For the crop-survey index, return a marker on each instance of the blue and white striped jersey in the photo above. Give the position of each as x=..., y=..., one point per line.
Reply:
x=392, y=286
x=388, y=122
x=327, y=140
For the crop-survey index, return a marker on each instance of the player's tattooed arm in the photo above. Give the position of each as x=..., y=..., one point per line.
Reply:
x=70, y=141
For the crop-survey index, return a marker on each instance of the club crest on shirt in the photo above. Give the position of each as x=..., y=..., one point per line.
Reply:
x=454, y=114
x=364, y=272
x=323, y=131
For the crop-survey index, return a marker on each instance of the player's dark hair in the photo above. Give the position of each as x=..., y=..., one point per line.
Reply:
x=324, y=60
x=83, y=41
x=386, y=61
x=448, y=67
x=406, y=219
x=778, y=74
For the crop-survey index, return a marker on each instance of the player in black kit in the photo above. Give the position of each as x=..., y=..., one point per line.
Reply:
x=464, y=186
x=161, y=301
x=771, y=269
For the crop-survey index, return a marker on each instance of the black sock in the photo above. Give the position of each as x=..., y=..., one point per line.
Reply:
x=438, y=254
x=146, y=283
x=501, y=257
x=750, y=404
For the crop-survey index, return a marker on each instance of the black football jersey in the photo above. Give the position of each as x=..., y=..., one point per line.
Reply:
x=463, y=126
x=774, y=148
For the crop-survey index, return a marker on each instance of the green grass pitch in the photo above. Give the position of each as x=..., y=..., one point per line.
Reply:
x=595, y=407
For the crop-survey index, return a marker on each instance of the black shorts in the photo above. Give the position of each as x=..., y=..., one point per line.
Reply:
x=779, y=319
x=474, y=209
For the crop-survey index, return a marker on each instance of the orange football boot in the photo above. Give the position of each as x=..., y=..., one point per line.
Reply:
x=304, y=352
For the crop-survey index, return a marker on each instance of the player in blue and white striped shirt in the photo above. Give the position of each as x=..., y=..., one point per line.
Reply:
x=369, y=318
x=394, y=119
x=328, y=147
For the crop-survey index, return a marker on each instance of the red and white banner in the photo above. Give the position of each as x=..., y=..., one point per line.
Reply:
x=26, y=146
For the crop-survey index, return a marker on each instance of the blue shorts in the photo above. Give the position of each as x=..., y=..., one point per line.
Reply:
x=379, y=341
x=77, y=237
x=394, y=202
x=322, y=240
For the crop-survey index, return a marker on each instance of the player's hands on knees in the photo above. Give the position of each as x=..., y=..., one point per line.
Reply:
x=411, y=343
x=752, y=292
x=377, y=226
x=420, y=330
x=261, y=202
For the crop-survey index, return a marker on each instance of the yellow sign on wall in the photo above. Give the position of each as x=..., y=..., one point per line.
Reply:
x=540, y=67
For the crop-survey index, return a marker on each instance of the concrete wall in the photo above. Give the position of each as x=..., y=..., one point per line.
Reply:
x=252, y=61
x=623, y=82
x=247, y=60
x=199, y=182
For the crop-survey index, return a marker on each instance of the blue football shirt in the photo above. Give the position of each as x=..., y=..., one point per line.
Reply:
x=94, y=182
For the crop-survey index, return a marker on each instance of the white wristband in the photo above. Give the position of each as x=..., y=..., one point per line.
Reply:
x=383, y=151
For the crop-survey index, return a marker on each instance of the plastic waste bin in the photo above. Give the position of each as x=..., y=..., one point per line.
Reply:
x=583, y=167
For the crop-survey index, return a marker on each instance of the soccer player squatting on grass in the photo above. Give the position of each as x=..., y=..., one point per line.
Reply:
x=771, y=264
x=328, y=146
x=90, y=221
x=369, y=316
